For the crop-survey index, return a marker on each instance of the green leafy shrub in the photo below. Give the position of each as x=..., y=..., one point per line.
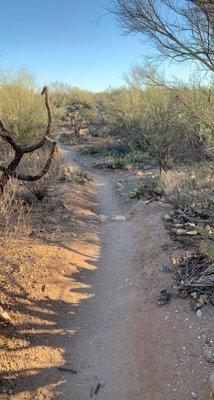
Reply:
x=21, y=107
x=89, y=150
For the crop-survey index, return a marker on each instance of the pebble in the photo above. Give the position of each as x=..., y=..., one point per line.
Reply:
x=183, y=294
x=209, y=355
x=102, y=218
x=163, y=298
x=194, y=395
x=167, y=217
x=206, y=339
x=118, y=218
x=199, y=313
x=192, y=233
x=4, y=316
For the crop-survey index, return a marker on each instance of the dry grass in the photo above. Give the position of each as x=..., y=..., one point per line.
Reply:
x=186, y=186
x=24, y=204
x=60, y=171
x=14, y=213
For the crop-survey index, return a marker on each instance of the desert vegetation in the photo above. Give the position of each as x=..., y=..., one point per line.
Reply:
x=166, y=126
x=30, y=161
x=156, y=130
x=150, y=122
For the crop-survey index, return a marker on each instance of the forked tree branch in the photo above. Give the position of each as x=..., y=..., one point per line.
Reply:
x=9, y=171
x=44, y=171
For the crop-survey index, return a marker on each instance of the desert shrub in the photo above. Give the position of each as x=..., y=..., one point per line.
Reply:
x=14, y=212
x=60, y=171
x=123, y=108
x=68, y=138
x=115, y=161
x=190, y=186
x=89, y=150
x=151, y=182
x=182, y=186
x=130, y=159
x=136, y=157
x=173, y=126
x=22, y=107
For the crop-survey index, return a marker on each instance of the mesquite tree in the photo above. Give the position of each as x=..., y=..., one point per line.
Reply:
x=10, y=170
x=179, y=30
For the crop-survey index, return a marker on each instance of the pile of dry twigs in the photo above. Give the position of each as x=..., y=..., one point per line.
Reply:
x=194, y=276
x=191, y=225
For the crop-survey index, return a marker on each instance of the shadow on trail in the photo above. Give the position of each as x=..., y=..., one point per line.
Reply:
x=51, y=332
x=50, y=325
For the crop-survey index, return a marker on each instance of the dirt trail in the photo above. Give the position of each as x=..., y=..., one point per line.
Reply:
x=90, y=307
x=125, y=346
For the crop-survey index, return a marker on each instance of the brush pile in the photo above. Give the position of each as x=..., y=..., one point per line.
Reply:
x=193, y=228
x=194, y=276
x=192, y=225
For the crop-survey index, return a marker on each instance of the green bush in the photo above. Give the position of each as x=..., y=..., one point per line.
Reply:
x=89, y=150
x=171, y=126
x=22, y=107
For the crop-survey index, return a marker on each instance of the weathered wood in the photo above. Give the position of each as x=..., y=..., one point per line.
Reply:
x=9, y=171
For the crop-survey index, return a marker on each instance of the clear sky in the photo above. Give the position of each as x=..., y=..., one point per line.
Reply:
x=60, y=40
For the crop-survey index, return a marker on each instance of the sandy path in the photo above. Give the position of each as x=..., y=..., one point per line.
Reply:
x=90, y=307
x=126, y=347
x=105, y=348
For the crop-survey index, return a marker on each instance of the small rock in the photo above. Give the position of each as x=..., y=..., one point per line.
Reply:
x=163, y=298
x=180, y=231
x=4, y=316
x=199, y=302
x=102, y=218
x=195, y=305
x=209, y=355
x=199, y=313
x=147, y=201
x=192, y=233
x=194, y=395
x=206, y=339
x=118, y=218
x=192, y=224
x=183, y=294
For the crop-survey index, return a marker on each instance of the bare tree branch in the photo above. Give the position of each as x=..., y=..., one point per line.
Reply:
x=44, y=171
x=179, y=31
x=10, y=170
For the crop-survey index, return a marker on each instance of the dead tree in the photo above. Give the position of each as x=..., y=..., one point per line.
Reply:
x=10, y=171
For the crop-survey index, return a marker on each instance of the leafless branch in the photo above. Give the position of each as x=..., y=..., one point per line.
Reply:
x=10, y=170
x=178, y=30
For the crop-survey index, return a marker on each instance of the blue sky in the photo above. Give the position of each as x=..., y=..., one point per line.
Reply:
x=60, y=41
